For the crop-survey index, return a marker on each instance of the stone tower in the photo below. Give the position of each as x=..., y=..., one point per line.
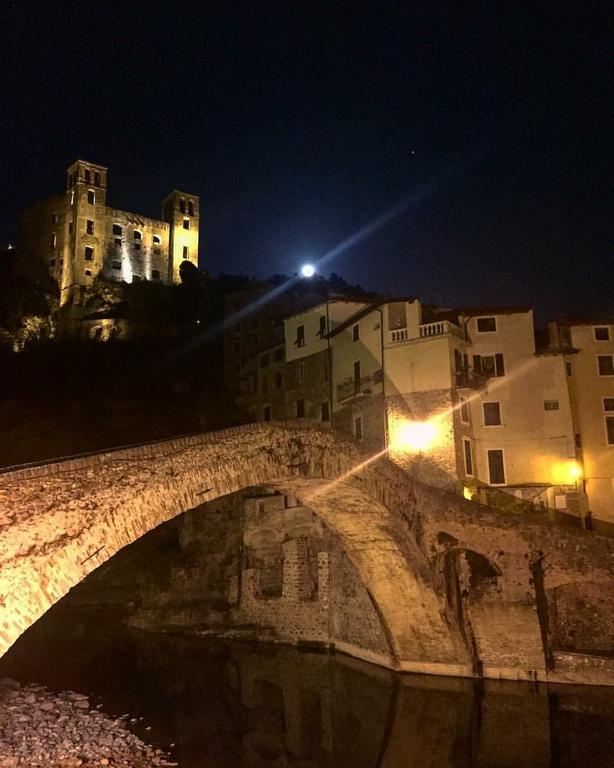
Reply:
x=84, y=227
x=182, y=211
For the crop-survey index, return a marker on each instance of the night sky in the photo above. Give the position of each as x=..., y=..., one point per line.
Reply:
x=486, y=127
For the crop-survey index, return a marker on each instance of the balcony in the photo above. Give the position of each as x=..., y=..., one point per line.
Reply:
x=425, y=331
x=354, y=387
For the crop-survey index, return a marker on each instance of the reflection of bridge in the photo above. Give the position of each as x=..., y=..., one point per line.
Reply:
x=456, y=588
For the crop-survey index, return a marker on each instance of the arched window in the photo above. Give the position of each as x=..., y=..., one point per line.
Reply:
x=186, y=223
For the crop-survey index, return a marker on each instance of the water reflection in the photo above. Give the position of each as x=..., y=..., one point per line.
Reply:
x=228, y=704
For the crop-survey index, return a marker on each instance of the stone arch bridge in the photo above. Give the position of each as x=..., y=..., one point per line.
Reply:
x=456, y=588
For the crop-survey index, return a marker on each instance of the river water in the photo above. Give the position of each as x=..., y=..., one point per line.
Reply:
x=229, y=704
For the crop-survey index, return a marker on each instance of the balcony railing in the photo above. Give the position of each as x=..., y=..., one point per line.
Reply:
x=354, y=387
x=425, y=331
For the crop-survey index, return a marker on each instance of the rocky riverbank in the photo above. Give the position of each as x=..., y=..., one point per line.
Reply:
x=40, y=728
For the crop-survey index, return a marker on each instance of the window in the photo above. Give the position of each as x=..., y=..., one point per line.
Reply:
x=116, y=265
x=70, y=227
x=185, y=252
x=266, y=413
x=568, y=367
x=88, y=272
x=53, y=240
x=300, y=408
x=605, y=364
x=279, y=381
x=355, y=332
x=602, y=333
x=487, y=324
x=190, y=208
x=278, y=355
x=468, y=457
x=357, y=377
x=578, y=440
x=89, y=253
x=96, y=179
x=54, y=218
x=186, y=223
x=182, y=205
x=89, y=227
x=137, y=235
x=492, y=414
x=88, y=176
x=608, y=403
x=300, y=336
x=325, y=412
x=117, y=230
x=358, y=428
x=609, y=430
x=118, y=242
x=91, y=197
x=551, y=405
x=464, y=411
x=155, y=274
x=322, y=328
x=489, y=365
x=301, y=372
x=137, y=246
x=496, y=467
x=156, y=240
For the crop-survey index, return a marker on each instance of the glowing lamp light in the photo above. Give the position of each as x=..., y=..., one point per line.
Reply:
x=414, y=436
x=566, y=473
x=467, y=493
x=308, y=270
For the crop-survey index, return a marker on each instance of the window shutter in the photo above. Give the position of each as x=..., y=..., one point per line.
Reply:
x=499, y=367
x=477, y=364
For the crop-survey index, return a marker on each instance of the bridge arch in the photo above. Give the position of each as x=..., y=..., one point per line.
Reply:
x=62, y=520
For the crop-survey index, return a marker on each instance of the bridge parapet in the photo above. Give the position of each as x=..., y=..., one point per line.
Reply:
x=458, y=588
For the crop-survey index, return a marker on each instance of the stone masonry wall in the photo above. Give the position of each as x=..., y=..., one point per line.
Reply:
x=61, y=521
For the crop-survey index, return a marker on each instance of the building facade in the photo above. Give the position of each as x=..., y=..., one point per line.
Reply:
x=587, y=349
x=462, y=399
x=76, y=236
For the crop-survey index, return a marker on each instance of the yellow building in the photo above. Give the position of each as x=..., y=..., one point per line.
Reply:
x=76, y=236
x=516, y=413
x=588, y=351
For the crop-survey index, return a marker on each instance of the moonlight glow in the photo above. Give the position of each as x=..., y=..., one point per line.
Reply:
x=308, y=270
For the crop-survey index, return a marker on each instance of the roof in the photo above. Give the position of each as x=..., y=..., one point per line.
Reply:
x=493, y=310
x=181, y=192
x=330, y=300
x=88, y=162
x=354, y=318
x=366, y=310
x=584, y=321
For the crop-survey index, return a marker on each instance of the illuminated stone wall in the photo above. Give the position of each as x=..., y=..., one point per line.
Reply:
x=55, y=233
x=61, y=521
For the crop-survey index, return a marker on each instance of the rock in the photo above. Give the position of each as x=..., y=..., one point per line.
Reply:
x=8, y=682
x=43, y=730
